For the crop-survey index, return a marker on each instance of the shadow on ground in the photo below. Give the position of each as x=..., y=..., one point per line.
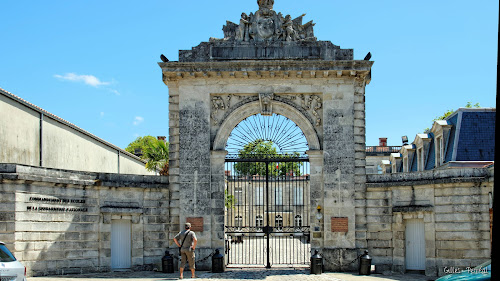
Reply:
x=234, y=274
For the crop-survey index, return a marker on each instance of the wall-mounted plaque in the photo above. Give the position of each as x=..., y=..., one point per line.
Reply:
x=340, y=224
x=196, y=223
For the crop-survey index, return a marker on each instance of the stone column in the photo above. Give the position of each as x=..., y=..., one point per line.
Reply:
x=316, y=198
x=194, y=165
x=217, y=161
x=173, y=163
x=339, y=177
x=360, y=165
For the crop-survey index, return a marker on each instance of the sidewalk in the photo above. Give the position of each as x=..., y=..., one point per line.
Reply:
x=234, y=274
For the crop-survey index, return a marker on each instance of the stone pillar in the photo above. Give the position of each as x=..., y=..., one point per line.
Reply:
x=173, y=163
x=339, y=148
x=217, y=161
x=317, y=189
x=360, y=165
x=194, y=165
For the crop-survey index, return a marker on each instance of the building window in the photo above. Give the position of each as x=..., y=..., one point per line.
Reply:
x=439, y=151
x=298, y=196
x=278, y=222
x=238, y=221
x=298, y=221
x=278, y=196
x=379, y=170
x=405, y=163
x=420, y=159
x=238, y=196
x=259, y=196
x=259, y=222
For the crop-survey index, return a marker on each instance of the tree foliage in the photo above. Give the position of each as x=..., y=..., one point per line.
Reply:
x=157, y=156
x=229, y=200
x=140, y=143
x=259, y=149
x=154, y=151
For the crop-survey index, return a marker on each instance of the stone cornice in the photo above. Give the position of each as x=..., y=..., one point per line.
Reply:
x=429, y=177
x=360, y=69
x=30, y=174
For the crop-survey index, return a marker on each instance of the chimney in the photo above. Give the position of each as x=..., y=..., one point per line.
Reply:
x=162, y=138
x=382, y=141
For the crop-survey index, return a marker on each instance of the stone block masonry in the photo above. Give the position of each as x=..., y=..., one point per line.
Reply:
x=59, y=221
x=453, y=206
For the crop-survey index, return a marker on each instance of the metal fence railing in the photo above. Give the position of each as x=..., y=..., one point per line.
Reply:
x=376, y=150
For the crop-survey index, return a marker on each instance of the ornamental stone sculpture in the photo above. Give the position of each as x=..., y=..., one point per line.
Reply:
x=267, y=25
x=266, y=34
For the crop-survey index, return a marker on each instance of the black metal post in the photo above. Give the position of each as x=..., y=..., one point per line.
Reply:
x=267, y=209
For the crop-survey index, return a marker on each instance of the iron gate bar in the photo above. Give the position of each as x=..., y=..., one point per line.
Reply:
x=289, y=234
x=267, y=207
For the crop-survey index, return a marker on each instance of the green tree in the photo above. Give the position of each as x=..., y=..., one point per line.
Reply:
x=449, y=112
x=229, y=200
x=156, y=153
x=140, y=143
x=259, y=149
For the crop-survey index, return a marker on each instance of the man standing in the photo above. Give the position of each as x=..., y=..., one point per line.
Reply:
x=187, y=246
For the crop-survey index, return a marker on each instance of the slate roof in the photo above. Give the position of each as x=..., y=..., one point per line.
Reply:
x=476, y=140
x=470, y=143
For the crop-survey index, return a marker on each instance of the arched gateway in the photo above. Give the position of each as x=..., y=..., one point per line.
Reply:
x=269, y=64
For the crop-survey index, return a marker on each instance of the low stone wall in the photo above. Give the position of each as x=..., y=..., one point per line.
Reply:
x=59, y=221
x=453, y=205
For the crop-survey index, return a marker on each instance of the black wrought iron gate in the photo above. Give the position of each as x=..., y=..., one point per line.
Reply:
x=267, y=211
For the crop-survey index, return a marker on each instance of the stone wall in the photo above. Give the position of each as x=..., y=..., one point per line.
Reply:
x=453, y=205
x=62, y=220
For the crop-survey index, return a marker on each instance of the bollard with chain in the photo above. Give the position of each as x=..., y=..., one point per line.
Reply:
x=202, y=260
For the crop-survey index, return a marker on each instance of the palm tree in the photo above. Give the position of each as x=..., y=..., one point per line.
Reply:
x=156, y=153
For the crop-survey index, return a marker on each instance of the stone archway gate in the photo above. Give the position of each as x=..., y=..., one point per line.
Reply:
x=258, y=69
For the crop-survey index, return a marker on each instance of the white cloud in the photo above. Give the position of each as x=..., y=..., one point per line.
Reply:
x=87, y=79
x=114, y=92
x=138, y=120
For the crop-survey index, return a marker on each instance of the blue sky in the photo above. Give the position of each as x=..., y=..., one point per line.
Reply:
x=94, y=63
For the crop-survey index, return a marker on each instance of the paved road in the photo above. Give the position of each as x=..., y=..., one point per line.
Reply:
x=233, y=275
x=283, y=250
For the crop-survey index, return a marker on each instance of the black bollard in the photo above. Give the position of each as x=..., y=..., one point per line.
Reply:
x=167, y=263
x=217, y=262
x=365, y=264
x=316, y=263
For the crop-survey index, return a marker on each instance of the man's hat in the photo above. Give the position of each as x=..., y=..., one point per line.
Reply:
x=187, y=225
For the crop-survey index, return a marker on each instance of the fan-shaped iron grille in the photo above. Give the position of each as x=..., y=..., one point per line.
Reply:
x=281, y=131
